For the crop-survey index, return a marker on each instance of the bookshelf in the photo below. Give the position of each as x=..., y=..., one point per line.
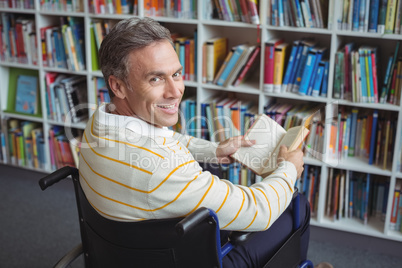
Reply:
x=330, y=37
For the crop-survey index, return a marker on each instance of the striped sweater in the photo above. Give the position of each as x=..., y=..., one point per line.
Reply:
x=132, y=171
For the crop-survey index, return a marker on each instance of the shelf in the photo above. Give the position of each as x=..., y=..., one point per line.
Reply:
x=379, y=106
x=64, y=71
x=62, y=13
x=369, y=35
x=359, y=165
x=18, y=65
x=299, y=29
x=23, y=117
x=18, y=10
x=295, y=96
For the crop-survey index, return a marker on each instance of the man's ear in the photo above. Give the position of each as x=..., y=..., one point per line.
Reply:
x=117, y=86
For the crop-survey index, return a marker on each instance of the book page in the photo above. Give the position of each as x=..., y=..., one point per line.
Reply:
x=292, y=139
x=267, y=133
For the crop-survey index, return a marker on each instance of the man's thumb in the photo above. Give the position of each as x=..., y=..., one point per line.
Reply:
x=283, y=149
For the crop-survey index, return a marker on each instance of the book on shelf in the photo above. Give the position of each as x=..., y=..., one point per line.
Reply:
x=280, y=59
x=216, y=51
x=249, y=67
x=269, y=136
x=239, y=10
x=269, y=63
x=27, y=93
x=301, y=13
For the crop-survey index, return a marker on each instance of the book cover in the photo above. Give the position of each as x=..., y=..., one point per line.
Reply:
x=27, y=94
x=281, y=52
x=269, y=136
x=249, y=67
x=290, y=67
x=372, y=137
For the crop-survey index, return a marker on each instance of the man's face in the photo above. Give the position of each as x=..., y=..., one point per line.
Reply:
x=155, y=76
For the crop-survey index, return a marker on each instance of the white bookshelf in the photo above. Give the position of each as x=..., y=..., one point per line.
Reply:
x=237, y=33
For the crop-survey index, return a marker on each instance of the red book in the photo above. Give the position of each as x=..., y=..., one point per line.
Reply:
x=375, y=78
x=269, y=61
x=246, y=68
x=245, y=16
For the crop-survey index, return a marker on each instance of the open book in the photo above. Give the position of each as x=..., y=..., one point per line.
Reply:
x=269, y=136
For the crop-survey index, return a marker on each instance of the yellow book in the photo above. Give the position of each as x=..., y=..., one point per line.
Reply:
x=390, y=17
x=216, y=50
x=261, y=158
x=279, y=65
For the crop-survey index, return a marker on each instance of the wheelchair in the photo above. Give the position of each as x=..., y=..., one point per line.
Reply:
x=193, y=241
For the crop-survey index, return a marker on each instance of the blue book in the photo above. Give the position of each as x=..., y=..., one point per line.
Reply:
x=355, y=19
x=299, y=13
x=204, y=126
x=366, y=198
x=324, y=88
x=27, y=94
x=301, y=67
x=280, y=13
x=230, y=65
x=363, y=75
x=291, y=64
x=182, y=56
x=295, y=67
x=274, y=12
x=353, y=129
x=308, y=71
x=373, y=17
x=373, y=136
x=351, y=194
x=305, y=178
x=318, y=58
x=345, y=149
x=318, y=79
x=193, y=120
x=362, y=14
x=388, y=75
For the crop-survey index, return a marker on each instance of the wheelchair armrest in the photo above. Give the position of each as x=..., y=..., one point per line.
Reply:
x=69, y=257
x=237, y=238
x=189, y=222
x=57, y=176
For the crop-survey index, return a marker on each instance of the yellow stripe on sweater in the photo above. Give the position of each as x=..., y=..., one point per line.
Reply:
x=269, y=206
x=117, y=141
x=112, y=159
x=238, y=212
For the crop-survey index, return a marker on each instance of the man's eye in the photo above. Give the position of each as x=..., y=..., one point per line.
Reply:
x=178, y=74
x=155, y=79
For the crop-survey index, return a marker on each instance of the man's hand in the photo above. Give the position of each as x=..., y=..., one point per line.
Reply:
x=230, y=146
x=296, y=157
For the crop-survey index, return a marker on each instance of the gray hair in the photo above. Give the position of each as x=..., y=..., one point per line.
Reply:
x=126, y=36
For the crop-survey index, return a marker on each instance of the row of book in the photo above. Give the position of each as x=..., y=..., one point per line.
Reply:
x=357, y=76
x=24, y=145
x=18, y=39
x=396, y=209
x=66, y=97
x=366, y=135
x=301, y=68
x=63, y=46
x=60, y=5
x=226, y=67
x=186, y=49
x=309, y=185
x=98, y=30
x=233, y=10
x=298, y=13
x=180, y=9
x=374, y=16
x=114, y=7
x=355, y=195
x=22, y=4
x=64, y=147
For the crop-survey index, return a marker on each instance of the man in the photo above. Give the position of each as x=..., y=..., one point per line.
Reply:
x=133, y=168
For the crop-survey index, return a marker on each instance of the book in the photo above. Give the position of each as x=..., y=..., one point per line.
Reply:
x=269, y=136
x=27, y=94
x=248, y=68
x=269, y=62
x=216, y=51
x=280, y=59
x=237, y=53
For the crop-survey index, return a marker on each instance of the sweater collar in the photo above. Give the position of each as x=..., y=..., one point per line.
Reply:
x=134, y=124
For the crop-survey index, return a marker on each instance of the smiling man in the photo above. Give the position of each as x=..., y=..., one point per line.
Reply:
x=133, y=168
